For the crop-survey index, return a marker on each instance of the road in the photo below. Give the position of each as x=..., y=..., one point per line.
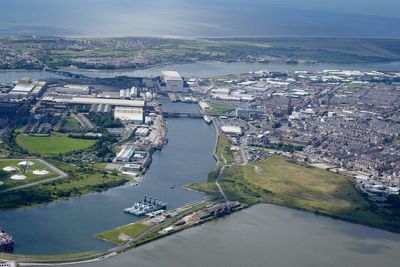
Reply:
x=217, y=158
x=221, y=171
x=61, y=175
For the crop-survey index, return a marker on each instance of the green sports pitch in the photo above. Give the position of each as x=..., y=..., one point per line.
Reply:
x=52, y=145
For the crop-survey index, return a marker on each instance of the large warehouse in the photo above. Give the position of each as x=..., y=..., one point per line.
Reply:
x=73, y=89
x=95, y=100
x=173, y=81
x=231, y=130
x=131, y=114
x=26, y=87
x=125, y=154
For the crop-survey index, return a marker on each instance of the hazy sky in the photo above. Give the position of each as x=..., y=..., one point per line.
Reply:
x=369, y=18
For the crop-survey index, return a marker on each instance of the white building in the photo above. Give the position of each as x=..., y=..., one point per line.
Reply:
x=26, y=87
x=73, y=89
x=132, y=167
x=74, y=100
x=133, y=114
x=231, y=130
x=173, y=81
x=142, y=132
x=125, y=154
x=129, y=93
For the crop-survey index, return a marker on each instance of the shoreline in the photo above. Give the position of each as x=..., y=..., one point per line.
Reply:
x=89, y=256
x=161, y=65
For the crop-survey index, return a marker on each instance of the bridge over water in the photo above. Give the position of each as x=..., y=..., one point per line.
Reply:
x=182, y=115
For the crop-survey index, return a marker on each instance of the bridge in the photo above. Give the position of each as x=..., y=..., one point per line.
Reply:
x=65, y=73
x=182, y=115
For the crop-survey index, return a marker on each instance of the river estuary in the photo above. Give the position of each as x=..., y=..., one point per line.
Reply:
x=263, y=235
x=267, y=235
x=69, y=226
x=206, y=70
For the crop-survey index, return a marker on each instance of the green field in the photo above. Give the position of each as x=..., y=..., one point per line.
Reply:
x=80, y=181
x=52, y=145
x=120, y=234
x=221, y=108
x=31, y=177
x=223, y=150
x=327, y=50
x=71, y=122
x=278, y=181
x=62, y=257
x=209, y=188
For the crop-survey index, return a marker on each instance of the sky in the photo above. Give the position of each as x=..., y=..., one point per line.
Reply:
x=204, y=18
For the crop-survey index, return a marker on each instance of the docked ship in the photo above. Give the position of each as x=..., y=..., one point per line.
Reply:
x=207, y=119
x=6, y=242
x=148, y=205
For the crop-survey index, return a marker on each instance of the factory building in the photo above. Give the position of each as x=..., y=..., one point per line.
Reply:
x=75, y=100
x=125, y=154
x=172, y=82
x=231, y=130
x=131, y=114
x=132, y=167
x=129, y=93
x=25, y=87
x=73, y=89
x=100, y=108
x=142, y=132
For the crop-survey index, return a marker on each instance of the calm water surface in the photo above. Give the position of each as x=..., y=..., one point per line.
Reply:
x=8, y=76
x=355, y=18
x=212, y=69
x=267, y=235
x=204, y=70
x=70, y=226
x=261, y=236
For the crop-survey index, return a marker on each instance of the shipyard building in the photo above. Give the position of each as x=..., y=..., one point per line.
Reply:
x=129, y=114
x=125, y=154
x=25, y=88
x=171, y=82
x=73, y=89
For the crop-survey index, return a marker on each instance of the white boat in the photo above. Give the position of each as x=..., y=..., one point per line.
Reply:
x=207, y=119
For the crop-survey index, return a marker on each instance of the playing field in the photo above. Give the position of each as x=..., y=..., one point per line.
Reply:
x=52, y=145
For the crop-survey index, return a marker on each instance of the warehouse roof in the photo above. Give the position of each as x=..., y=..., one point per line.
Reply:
x=171, y=76
x=93, y=100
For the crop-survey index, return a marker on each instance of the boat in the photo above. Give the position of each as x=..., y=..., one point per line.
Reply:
x=172, y=186
x=6, y=242
x=148, y=205
x=207, y=119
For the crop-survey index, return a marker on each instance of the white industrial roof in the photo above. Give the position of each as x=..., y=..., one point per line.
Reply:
x=126, y=152
x=128, y=113
x=171, y=75
x=231, y=129
x=92, y=100
x=25, y=88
